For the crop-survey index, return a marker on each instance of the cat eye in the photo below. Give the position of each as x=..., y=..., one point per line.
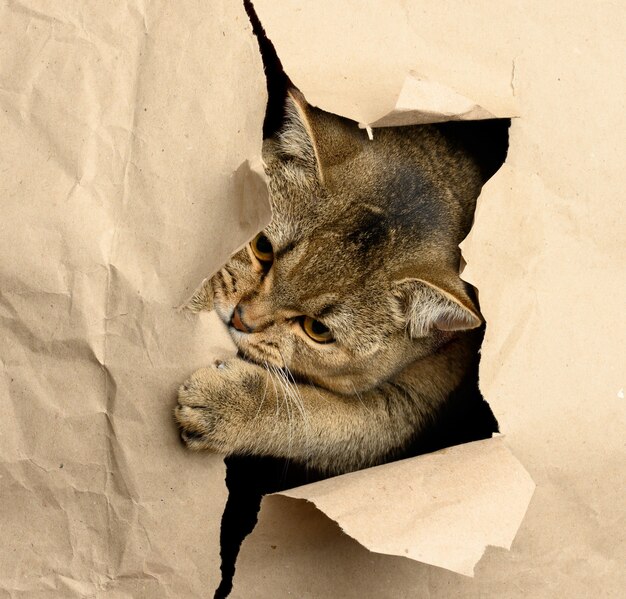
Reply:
x=316, y=330
x=262, y=249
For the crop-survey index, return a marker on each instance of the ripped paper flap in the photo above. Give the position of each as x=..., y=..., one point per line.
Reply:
x=422, y=101
x=442, y=508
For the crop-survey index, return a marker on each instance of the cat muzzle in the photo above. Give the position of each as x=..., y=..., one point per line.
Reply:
x=237, y=321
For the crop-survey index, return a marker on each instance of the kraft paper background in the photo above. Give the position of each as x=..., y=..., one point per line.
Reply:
x=124, y=129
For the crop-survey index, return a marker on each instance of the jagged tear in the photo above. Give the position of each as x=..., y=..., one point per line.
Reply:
x=468, y=417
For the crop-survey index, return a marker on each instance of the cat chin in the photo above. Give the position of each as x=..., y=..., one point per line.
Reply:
x=225, y=313
x=239, y=339
x=247, y=352
x=237, y=336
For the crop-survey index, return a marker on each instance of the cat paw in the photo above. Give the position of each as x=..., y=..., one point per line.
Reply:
x=212, y=406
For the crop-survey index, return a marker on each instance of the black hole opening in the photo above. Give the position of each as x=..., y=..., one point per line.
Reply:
x=277, y=80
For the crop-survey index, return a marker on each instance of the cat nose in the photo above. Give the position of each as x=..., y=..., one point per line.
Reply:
x=238, y=322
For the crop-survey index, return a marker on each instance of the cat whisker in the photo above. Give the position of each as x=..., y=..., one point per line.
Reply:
x=271, y=378
x=361, y=399
x=294, y=386
x=292, y=393
x=276, y=379
x=263, y=398
x=296, y=397
x=287, y=375
x=286, y=399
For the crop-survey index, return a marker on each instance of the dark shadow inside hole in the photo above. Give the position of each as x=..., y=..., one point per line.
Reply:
x=277, y=80
x=465, y=417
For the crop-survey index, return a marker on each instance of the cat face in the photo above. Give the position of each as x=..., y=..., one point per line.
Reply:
x=356, y=275
x=302, y=307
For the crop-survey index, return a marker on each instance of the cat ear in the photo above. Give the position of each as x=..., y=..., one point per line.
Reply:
x=427, y=307
x=317, y=138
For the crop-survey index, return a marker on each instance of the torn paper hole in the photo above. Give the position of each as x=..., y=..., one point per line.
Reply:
x=248, y=479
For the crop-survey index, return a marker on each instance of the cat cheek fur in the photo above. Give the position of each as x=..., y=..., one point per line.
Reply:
x=231, y=283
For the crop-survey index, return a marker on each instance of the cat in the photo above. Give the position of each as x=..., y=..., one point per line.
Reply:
x=356, y=337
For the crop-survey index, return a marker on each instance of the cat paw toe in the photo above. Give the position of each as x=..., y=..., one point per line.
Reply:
x=196, y=426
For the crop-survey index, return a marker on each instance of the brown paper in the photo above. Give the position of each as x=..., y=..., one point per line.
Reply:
x=124, y=130
x=123, y=140
x=422, y=101
x=441, y=508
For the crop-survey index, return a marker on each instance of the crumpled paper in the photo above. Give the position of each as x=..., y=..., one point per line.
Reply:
x=122, y=127
x=122, y=137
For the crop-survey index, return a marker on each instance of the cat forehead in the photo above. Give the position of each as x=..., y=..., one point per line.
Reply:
x=326, y=282
x=367, y=214
x=351, y=247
